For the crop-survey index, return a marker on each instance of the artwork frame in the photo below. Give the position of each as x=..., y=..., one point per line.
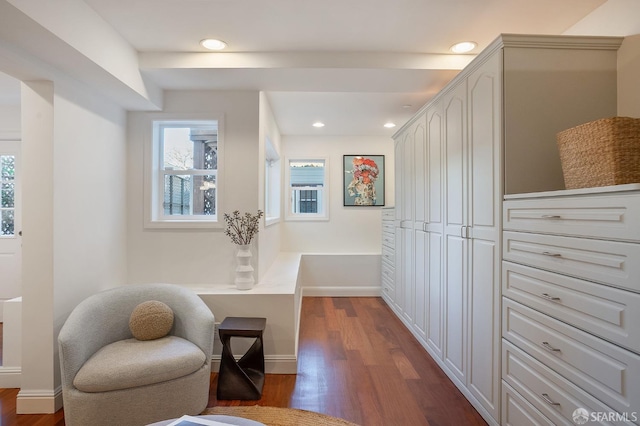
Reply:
x=363, y=180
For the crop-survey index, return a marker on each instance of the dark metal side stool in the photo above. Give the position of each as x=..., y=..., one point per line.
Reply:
x=242, y=379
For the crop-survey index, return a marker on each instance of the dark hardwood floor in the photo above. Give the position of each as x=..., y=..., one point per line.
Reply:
x=356, y=361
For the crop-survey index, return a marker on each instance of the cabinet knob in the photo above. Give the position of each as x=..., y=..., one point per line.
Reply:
x=548, y=253
x=550, y=348
x=549, y=401
x=549, y=297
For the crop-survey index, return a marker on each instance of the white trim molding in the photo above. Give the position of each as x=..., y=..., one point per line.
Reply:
x=39, y=401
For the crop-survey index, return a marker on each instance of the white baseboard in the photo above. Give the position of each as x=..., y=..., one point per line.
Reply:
x=372, y=291
x=39, y=401
x=274, y=364
x=10, y=377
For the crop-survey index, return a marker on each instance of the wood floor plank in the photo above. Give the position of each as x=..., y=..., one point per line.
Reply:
x=356, y=361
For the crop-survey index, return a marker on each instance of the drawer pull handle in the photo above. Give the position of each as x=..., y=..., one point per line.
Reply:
x=551, y=216
x=549, y=297
x=548, y=253
x=550, y=348
x=549, y=400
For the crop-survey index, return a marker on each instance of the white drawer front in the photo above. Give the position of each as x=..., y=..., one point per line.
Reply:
x=388, y=214
x=608, y=217
x=389, y=227
x=605, y=370
x=607, y=262
x=389, y=239
x=549, y=392
x=608, y=312
x=517, y=411
x=388, y=255
x=388, y=272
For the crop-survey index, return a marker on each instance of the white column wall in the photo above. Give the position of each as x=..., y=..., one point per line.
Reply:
x=269, y=238
x=628, y=72
x=74, y=227
x=37, y=392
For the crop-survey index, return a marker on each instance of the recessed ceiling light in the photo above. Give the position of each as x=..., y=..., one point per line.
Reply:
x=463, y=47
x=318, y=124
x=389, y=125
x=213, y=44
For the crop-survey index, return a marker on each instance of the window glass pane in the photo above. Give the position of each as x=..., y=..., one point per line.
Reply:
x=190, y=147
x=7, y=194
x=305, y=200
x=306, y=173
x=178, y=148
x=189, y=195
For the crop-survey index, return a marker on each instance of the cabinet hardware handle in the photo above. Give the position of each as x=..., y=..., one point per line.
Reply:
x=549, y=297
x=549, y=400
x=550, y=348
x=548, y=253
x=551, y=216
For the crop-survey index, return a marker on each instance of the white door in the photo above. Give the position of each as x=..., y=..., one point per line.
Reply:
x=485, y=193
x=10, y=241
x=455, y=242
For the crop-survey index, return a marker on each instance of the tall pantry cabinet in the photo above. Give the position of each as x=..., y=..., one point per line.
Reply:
x=489, y=132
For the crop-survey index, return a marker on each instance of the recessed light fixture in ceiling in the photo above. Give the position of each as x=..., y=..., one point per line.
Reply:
x=463, y=47
x=213, y=44
x=389, y=125
x=318, y=124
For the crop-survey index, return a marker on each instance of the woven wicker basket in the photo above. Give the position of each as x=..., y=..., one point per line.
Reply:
x=601, y=153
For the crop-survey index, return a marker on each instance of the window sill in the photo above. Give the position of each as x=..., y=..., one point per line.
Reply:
x=271, y=221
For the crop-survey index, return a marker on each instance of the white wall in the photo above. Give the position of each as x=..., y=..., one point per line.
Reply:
x=9, y=121
x=342, y=255
x=195, y=256
x=355, y=230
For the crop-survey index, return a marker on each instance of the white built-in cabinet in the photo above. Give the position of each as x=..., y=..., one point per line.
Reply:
x=489, y=132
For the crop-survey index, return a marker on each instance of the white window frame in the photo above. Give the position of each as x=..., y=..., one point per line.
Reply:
x=322, y=215
x=272, y=184
x=154, y=176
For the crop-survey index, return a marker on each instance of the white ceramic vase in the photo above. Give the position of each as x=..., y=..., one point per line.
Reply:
x=244, y=270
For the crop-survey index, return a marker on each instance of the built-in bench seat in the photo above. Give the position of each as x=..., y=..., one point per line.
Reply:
x=276, y=297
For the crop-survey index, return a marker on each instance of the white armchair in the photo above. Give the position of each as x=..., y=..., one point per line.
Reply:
x=128, y=381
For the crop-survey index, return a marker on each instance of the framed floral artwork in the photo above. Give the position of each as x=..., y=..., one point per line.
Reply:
x=363, y=180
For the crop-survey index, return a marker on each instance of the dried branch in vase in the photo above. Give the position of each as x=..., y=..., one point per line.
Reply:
x=242, y=228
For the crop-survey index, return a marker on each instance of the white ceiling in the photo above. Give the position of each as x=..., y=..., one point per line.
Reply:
x=353, y=64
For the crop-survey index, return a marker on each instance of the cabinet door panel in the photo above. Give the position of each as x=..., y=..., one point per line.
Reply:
x=456, y=307
x=484, y=144
x=435, y=166
x=408, y=254
x=419, y=177
x=407, y=171
x=455, y=152
x=398, y=158
x=434, y=307
x=421, y=268
x=484, y=320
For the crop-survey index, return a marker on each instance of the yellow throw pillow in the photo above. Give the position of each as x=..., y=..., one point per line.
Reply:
x=151, y=320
